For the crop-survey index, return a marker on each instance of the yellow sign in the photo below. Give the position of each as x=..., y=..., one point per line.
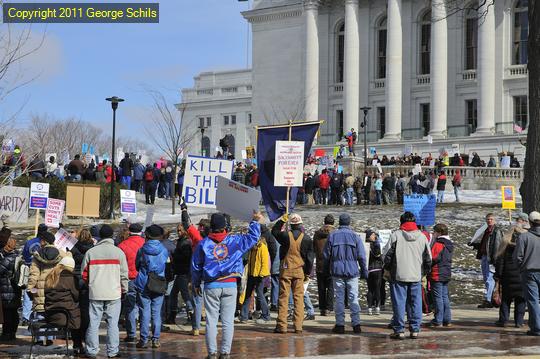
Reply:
x=508, y=197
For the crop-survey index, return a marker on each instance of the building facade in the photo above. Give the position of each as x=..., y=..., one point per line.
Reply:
x=426, y=70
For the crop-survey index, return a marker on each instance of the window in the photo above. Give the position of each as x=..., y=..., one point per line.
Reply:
x=471, y=39
x=233, y=119
x=339, y=124
x=471, y=115
x=340, y=41
x=201, y=122
x=381, y=49
x=521, y=33
x=425, y=43
x=249, y=118
x=225, y=120
x=520, y=111
x=424, y=113
x=381, y=121
x=208, y=121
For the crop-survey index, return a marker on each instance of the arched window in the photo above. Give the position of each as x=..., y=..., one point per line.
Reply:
x=232, y=144
x=340, y=55
x=521, y=32
x=471, y=39
x=381, y=48
x=425, y=43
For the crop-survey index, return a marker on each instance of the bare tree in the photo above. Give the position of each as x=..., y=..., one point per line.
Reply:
x=167, y=131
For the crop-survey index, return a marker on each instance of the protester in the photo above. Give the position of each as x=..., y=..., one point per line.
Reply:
x=62, y=293
x=130, y=247
x=407, y=259
x=149, y=185
x=126, y=166
x=508, y=276
x=273, y=251
x=527, y=257
x=324, y=184
x=105, y=271
x=182, y=277
x=325, y=287
x=217, y=263
x=10, y=293
x=442, y=250
x=296, y=254
x=76, y=169
x=486, y=241
x=375, y=273
x=345, y=260
x=456, y=183
x=151, y=285
x=441, y=185
x=366, y=187
x=378, y=189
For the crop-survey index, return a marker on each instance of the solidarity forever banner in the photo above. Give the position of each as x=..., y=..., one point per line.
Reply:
x=201, y=180
x=14, y=204
x=274, y=198
x=289, y=168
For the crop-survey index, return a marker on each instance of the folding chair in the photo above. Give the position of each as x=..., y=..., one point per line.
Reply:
x=41, y=328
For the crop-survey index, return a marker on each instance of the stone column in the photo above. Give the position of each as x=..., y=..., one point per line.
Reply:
x=439, y=69
x=351, y=80
x=486, y=70
x=311, y=11
x=393, y=82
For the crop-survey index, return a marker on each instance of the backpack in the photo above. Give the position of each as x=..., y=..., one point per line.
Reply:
x=21, y=272
x=149, y=175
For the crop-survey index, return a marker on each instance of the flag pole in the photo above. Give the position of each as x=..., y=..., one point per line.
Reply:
x=288, y=187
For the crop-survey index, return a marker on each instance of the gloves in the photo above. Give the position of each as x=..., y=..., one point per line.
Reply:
x=183, y=206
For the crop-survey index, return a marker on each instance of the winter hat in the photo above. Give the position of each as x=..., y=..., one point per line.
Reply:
x=407, y=217
x=523, y=216
x=329, y=219
x=106, y=231
x=295, y=219
x=135, y=228
x=42, y=228
x=534, y=217
x=68, y=262
x=369, y=232
x=47, y=237
x=217, y=222
x=344, y=219
x=154, y=232
x=94, y=231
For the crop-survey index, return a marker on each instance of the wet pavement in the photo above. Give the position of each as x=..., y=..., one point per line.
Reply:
x=472, y=335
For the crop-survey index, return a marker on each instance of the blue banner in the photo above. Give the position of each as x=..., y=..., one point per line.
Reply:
x=274, y=198
x=422, y=206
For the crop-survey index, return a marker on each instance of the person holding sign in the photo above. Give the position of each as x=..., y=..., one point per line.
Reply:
x=217, y=263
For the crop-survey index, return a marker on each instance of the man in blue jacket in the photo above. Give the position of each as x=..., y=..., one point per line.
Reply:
x=217, y=262
x=345, y=260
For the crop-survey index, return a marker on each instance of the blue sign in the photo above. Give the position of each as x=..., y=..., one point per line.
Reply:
x=91, y=150
x=422, y=206
x=84, y=148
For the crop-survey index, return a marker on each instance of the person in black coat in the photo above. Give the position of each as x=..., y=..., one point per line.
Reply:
x=181, y=260
x=9, y=293
x=375, y=276
x=508, y=276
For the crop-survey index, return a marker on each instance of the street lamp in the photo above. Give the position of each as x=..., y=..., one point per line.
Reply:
x=114, y=104
x=202, y=128
x=365, y=109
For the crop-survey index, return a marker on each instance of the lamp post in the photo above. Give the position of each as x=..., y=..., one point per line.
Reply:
x=202, y=128
x=365, y=109
x=114, y=104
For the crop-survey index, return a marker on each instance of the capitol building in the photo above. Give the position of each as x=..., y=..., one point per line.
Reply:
x=445, y=74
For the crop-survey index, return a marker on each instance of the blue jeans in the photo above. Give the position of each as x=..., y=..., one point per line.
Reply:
x=111, y=310
x=197, y=311
x=378, y=196
x=349, y=195
x=274, y=290
x=126, y=180
x=257, y=284
x=26, y=306
x=456, y=193
x=131, y=310
x=531, y=289
x=308, y=306
x=440, y=196
x=443, y=314
x=404, y=294
x=219, y=303
x=150, y=304
x=339, y=299
x=489, y=282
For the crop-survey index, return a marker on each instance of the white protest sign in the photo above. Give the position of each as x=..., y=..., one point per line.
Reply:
x=200, y=180
x=367, y=247
x=244, y=154
x=14, y=204
x=417, y=169
x=128, y=202
x=288, y=170
x=39, y=193
x=236, y=199
x=63, y=240
x=384, y=236
x=379, y=168
x=54, y=212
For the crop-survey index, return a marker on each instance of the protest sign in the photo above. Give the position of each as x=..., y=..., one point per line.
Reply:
x=84, y=148
x=14, y=204
x=508, y=197
x=417, y=169
x=54, y=212
x=200, y=180
x=237, y=199
x=289, y=165
x=8, y=145
x=128, y=202
x=379, y=167
x=372, y=151
x=88, y=158
x=63, y=240
x=82, y=200
x=422, y=206
x=244, y=155
x=384, y=236
x=39, y=193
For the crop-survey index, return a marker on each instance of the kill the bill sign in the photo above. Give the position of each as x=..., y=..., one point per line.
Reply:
x=289, y=167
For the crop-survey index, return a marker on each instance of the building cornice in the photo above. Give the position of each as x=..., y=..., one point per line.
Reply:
x=275, y=13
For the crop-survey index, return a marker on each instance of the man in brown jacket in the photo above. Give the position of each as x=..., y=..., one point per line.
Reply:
x=296, y=254
x=324, y=280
